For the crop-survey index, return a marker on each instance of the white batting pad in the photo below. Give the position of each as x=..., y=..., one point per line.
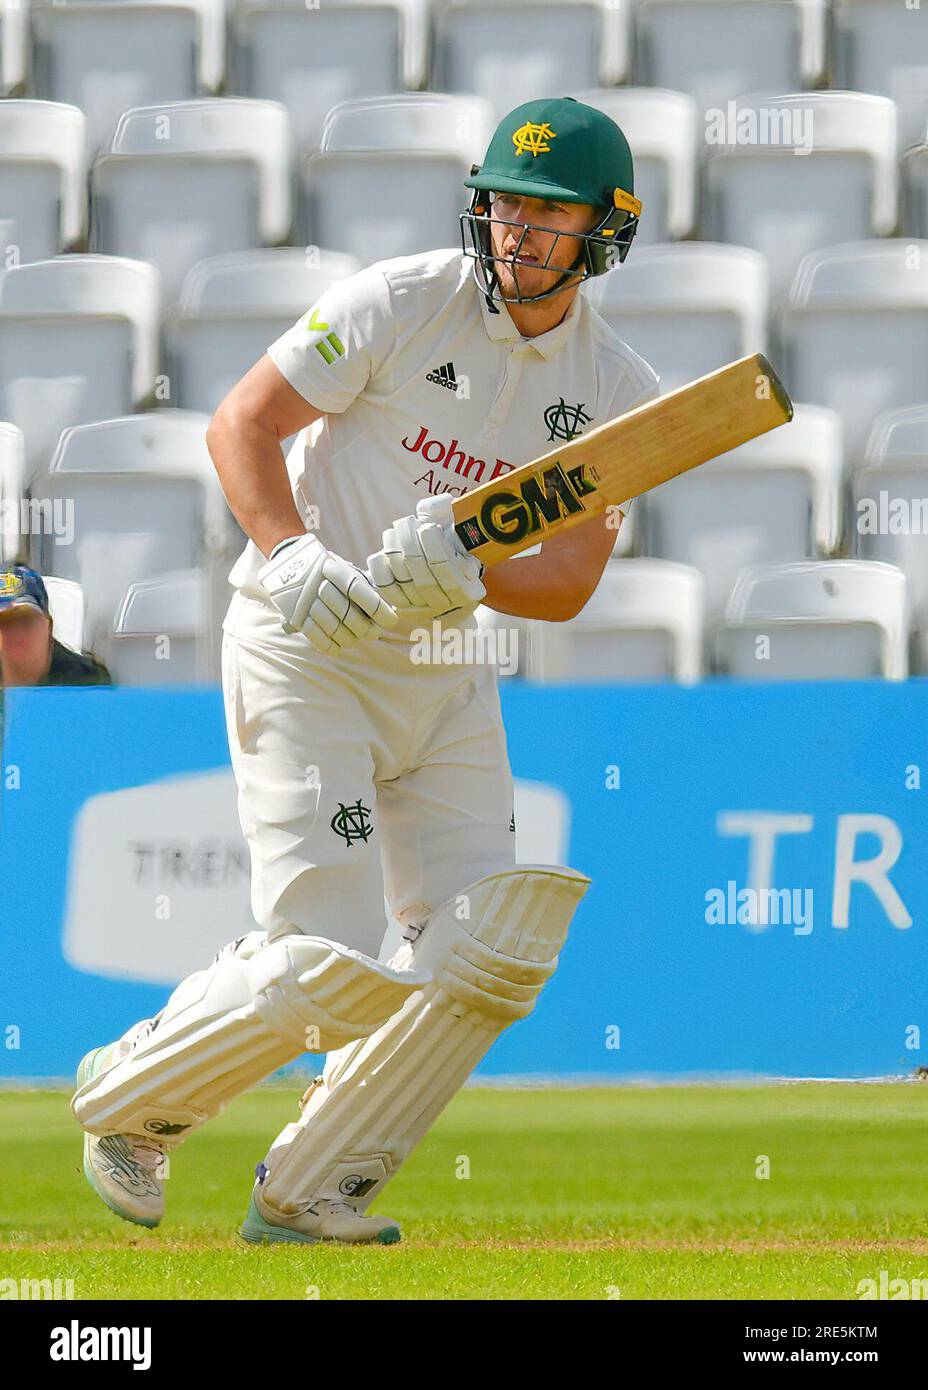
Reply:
x=377, y=1098
x=258, y=1006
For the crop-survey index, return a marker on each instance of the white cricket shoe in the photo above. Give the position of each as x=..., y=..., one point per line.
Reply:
x=322, y=1220
x=125, y=1170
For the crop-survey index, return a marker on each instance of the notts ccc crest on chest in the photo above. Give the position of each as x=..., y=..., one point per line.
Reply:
x=565, y=421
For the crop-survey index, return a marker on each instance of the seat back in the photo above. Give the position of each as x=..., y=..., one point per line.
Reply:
x=806, y=171
x=312, y=58
x=826, y=619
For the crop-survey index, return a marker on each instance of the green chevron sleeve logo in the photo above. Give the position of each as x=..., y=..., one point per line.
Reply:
x=329, y=347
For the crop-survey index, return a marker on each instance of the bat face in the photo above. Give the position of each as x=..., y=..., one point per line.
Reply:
x=513, y=516
x=621, y=459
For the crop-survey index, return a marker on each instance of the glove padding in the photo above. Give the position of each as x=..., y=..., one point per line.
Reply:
x=318, y=593
x=420, y=565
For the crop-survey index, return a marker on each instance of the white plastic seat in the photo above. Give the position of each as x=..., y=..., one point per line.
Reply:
x=66, y=606
x=643, y=622
x=718, y=50
x=14, y=46
x=881, y=46
x=512, y=51
x=388, y=180
x=43, y=182
x=146, y=501
x=915, y=182
x=161, y=632
x=106, y=56
x=855, y=332
x=776, y=498
x=661, y=128
x=890, y=500
x=13, y=545
x=686, y=308
x=311, y=57
x=190, y=179
x=232, y=306
x=912, y=108
x=78, y=342
x=787, y=204
x=822, y=620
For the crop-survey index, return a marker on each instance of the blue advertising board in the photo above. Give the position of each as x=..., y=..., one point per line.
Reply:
x=757, y=854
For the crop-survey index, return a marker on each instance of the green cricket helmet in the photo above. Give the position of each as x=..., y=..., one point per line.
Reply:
x=559, y=148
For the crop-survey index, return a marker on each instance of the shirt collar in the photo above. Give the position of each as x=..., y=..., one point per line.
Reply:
x=500, y=327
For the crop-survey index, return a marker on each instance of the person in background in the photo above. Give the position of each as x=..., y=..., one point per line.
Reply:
x=29, y=652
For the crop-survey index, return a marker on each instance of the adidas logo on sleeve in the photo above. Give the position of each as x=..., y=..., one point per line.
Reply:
x=443, y=376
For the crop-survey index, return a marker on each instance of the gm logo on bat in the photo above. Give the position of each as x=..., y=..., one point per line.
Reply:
x=544, y=498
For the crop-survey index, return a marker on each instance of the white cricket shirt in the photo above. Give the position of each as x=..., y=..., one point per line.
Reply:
x=425, y=390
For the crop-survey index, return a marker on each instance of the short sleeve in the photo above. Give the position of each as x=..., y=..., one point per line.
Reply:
x=342, y=341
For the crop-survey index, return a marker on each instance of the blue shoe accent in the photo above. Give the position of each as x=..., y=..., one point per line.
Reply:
x=257, y=1231
x=85, y=1069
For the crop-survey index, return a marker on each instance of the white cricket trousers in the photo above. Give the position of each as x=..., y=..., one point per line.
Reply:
x=361, y=776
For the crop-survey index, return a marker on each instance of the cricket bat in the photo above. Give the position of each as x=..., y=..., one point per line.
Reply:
x=622, y=458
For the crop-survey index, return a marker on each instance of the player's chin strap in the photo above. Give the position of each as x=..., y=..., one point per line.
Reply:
x=490, y=950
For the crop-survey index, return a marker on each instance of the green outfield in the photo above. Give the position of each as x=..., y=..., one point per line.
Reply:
x=593, y=1194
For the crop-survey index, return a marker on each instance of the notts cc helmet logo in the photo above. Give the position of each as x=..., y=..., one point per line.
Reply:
x=532, y=138
x=565, y=421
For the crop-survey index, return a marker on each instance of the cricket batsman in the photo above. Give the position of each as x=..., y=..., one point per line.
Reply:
x=365, y=777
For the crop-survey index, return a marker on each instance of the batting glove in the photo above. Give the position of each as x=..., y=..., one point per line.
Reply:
x=421, y=566
x=320, y=594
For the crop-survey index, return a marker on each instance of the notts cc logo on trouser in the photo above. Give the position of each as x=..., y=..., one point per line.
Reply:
x=352, y=822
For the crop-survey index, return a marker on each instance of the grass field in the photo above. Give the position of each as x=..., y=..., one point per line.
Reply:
x=587, y=1194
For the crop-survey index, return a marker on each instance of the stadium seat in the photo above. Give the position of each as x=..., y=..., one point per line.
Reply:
x=787, y=204
x=190, y=179
x=816, y=620
x=66, y=606
x=231, y=307
x=311, y=57
x=890, y=506
x=146, y=501
x=855, y=332
x=882, y=46
x=661, y=128
x=915, y=185
x=718, y=50
x=389, y=178
x=686, y=308
x=43, y=182
x=161, y=632
x=511, y=51
x=106, y=58
x=78, y=342
x=776, y=498
x=14, y=47
x=13, y=544
x=643, y=622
